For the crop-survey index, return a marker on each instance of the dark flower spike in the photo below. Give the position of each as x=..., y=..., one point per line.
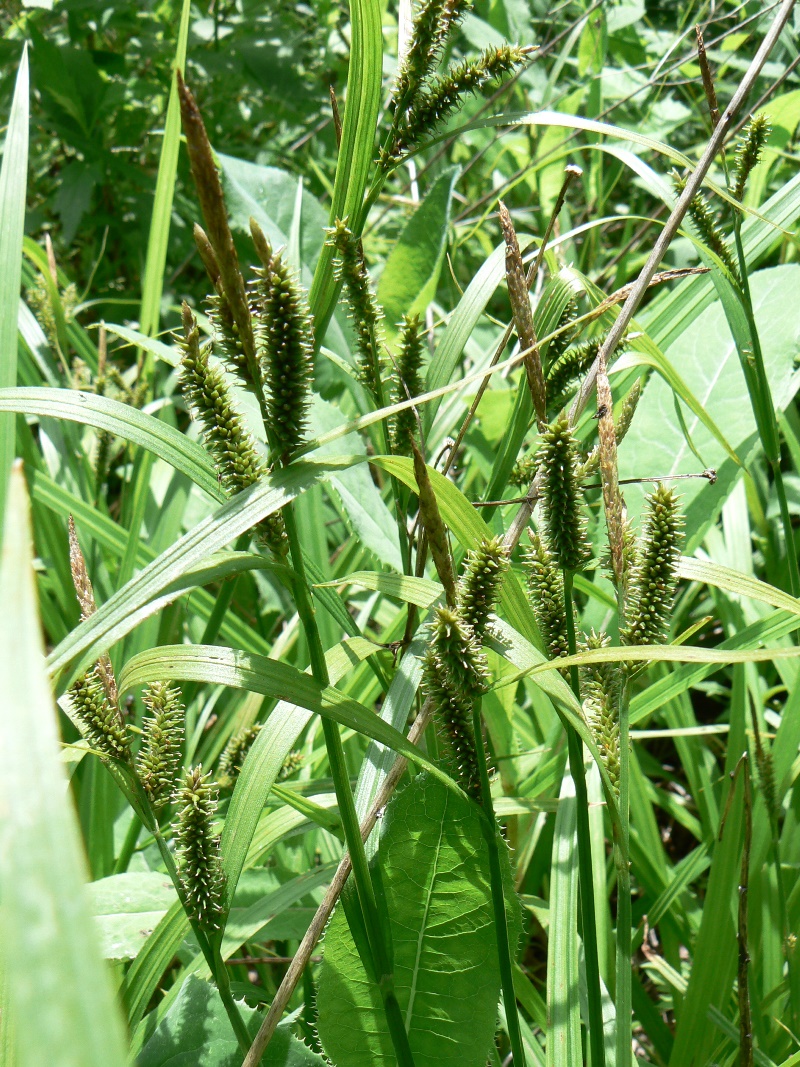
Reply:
x=159, y=758
x=364, y=308
x=286, y=345
x=212, y=205
x=439, y=100
x=197, y=844
x=453, y=716
x=85, y=594
x=408, y=383
x=601, y=684
x=749, y=149
x=234, y=755
x=479, y=587
x=562, y=500
x=99, y=719
x=591, y=464
x=546, y=595
x=655, y=575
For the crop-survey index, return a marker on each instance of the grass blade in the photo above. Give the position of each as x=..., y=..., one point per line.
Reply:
x=61, y=995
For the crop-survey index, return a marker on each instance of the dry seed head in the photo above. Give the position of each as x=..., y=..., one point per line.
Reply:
x=224, y=433
x=480, y=584
x=99, y=719
x=285, y=337
x=562, y=500
x=453, y=716
x=546, y=595
x=749, y=149
x=523, y=316
x=197, y=844
x=655, y=575
x=159, y=757
x=408, y=383
x=364, y=309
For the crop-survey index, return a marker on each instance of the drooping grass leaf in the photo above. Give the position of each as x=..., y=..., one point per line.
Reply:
x=61, y=996
x=434, y=870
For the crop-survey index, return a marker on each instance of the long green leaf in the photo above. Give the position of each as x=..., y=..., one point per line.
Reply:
x=563, y=1004
x=13, y=181
x=60, y=994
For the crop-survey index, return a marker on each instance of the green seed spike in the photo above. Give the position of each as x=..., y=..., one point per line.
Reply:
x=555, y=348
x=224, y=433
x=441, y=99
x=480, y=584
x=364, y=308
x=159, y=757
x=749, y=149
x=709, y=230
x=234, y=755
x=453, y=716
x=524, y=471
x=458, y=653
x=655, y=575
x=99, y=719
x=601, y=684
x=546, y=595
x=408, y=384
x=286, y=344
x=200, y=867
x=562, y=502
x=421, y=53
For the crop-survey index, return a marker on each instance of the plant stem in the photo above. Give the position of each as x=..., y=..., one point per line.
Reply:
x=128, y=845
x=624, y=1002
x=498, y=895
x=347, y=810
x=588, y=917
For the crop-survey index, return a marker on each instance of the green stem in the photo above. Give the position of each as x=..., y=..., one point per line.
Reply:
x=585, y=866
x=498, y=895
x=624, y=1002
x=347, y=809
x=223, y=982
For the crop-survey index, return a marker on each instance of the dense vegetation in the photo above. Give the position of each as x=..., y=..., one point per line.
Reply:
x=400, y=475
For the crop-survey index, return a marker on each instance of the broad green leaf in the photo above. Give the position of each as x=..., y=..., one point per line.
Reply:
x=435, y=875
x=408, y=281
x=123, y=421
x=239, y=514
x=563, y=1004
x=420, y=591
x=257, y=674
x=197, y=1032
x=356, y=149
x=158, y=240
x=127, y=908
x=706, y=354
x=13, y=183
x=61, y=996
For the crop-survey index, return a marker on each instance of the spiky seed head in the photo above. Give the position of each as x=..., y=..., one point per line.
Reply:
x=480, y=584
x=293, y=762
x=524, y=471
x=224, y=433
x=420, y=55
x=546, y=595
x=555, y=348
x=364, y=309
x=197, y=844
x=99, y=719
x=234, y=754
x=601, y=685
x=766, y=778
x=159, y=758
x=408, y=383
x=748, y=150
x=562, y=501
x=443, y=95
x=285, y=338
x=458, y=652
x=655, y=574
x=453, y=716
x=708, y=228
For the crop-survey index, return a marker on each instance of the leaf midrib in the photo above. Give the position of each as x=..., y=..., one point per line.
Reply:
x=423, y=927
